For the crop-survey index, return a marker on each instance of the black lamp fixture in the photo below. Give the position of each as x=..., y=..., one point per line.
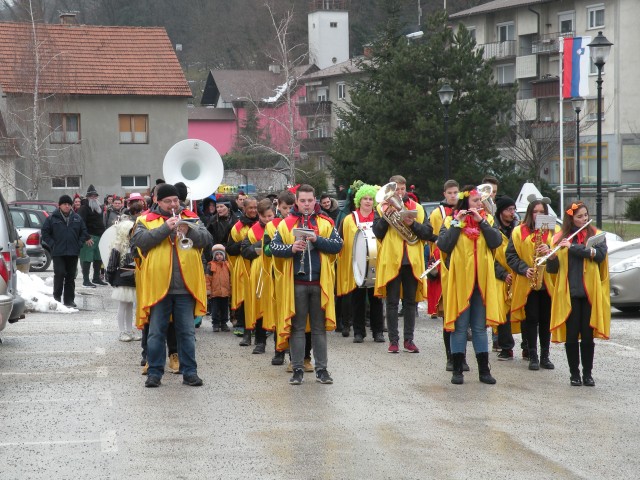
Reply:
x=600, y=48
x=446, y=97
x=577, y=103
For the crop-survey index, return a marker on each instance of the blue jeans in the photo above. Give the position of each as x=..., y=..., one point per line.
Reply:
x=180, y=307
x=474, y=316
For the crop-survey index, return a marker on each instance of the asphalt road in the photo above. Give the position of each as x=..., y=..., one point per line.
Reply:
x=73, y=405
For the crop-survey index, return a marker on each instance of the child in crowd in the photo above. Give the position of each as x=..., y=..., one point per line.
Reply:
x=121, y=276
x=219, y=288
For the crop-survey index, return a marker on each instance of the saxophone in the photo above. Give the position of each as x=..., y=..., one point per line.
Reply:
x=535, y=282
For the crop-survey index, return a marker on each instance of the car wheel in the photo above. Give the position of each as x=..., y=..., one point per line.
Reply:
x=43, y=264
x=629, y=309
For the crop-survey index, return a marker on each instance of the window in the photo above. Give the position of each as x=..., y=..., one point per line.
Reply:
x=472, y=32
x=134, y=181
x=134, y=128
x=506, y=32
x=593, y=70
x=65, y=127
x=565, y=22
x=19, y=219
x=595, y=16
x=592, y=109
x=333, y=24
x=588, y=163
x=342, y=91
x=506, y=74
x=34, y=220
x=322, y=95
x=342, y=123
x=72, y=181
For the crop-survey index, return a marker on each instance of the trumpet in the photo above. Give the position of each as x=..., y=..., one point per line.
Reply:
x=183, y=242
x=542, y=260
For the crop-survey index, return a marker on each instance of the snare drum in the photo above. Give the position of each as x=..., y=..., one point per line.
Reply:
x=365, y=253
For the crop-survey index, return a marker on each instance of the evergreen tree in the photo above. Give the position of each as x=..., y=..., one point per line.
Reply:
x=395, y=123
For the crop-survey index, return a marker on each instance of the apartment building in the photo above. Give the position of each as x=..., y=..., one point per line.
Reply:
x=522, y=37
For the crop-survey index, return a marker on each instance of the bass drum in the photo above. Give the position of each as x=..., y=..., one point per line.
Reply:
x=365, y=254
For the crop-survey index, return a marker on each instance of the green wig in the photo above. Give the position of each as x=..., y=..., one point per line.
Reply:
x=366, y=190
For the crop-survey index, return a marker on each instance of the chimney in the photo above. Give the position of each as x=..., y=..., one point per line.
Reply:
x=274, y=68
x=68, y=18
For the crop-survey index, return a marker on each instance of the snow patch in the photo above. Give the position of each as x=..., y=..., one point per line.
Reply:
x=38, y=294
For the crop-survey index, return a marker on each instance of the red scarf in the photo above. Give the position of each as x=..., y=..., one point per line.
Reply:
x=526, y=232
x=472, y=228
x=362, y=218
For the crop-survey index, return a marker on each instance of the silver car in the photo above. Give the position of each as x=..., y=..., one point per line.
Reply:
x=624, y=275
x=28, y=223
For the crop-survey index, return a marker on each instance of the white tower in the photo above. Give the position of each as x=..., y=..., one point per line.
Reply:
x=328, y=32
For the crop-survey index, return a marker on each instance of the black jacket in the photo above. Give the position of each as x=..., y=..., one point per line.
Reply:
x=64, y=238
x=219, y=228
x=94, y=221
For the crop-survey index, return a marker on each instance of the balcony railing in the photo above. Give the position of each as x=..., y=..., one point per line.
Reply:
x=314, y=109
x=319, y=144
x=547, y=43
x=499, y=50
x=546, y=88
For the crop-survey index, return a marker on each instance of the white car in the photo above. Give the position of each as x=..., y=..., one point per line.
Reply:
x=624, y=275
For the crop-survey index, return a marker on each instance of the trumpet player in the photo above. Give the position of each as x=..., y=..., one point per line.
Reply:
x=400, y=264
x=254, y=305
x=532, y=305
x=170, y=282
x=581, y=308
x=307, y=269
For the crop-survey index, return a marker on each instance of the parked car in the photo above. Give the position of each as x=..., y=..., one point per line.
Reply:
x=48, y=206
x=624, y=276
x=29, y=222
x=12, y=305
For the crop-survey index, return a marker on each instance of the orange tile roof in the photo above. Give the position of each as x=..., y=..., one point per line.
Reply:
x=91, y=60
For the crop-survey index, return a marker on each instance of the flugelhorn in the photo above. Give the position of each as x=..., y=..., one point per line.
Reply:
x=183, y=242
x=394, y=216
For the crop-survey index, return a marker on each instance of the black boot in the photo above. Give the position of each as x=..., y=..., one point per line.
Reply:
x=86, y=267
x=446, y=338
x=246, y=338
x=484, y=372
x=97, y=265
x=457, y=378
x=573, y=358
x=278, y=358
x=534, y=363
x=544, y=359
x=449, y=367
x=586, y=351
x=465, y=365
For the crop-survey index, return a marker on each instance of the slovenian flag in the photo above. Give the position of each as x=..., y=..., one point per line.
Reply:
x=575, y=67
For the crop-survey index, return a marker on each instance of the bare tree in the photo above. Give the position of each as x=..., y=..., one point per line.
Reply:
x=27, y=116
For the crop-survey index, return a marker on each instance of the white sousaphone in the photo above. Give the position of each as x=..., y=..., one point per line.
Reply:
x=195, y=163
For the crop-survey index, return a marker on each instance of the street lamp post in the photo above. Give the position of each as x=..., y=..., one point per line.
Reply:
x=446, y=96
x=577, y=107
x=600, y=48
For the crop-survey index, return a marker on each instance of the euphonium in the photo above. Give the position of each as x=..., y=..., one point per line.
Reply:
x=387, y=193
x=486, y=190
x=535, y=282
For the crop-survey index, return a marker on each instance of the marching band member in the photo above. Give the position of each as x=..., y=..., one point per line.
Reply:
x=581, y=306
x=239, y=277
x=400, y=265
x=533, y=307
x=254, y=304
x=467, y=240
x=506, y=221
x=360, y=219
x=435, y=301
x=308, y=279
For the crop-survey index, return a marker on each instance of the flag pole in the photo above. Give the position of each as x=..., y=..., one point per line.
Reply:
x=561, y=119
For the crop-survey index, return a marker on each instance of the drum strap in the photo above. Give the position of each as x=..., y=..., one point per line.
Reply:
x=359, y=224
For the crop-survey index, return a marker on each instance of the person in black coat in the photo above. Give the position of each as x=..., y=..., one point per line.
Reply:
x=65, y=232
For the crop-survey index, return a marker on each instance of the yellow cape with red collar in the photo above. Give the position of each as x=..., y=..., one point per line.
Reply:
x=254, y=306
x=435, y=291
x=240, y=268
x=595, y=279
x=471, y=262
x=390, y=256
x=521, y=288
x=285, y=291
x=270, y=304
x=346, y=282
x=153, y=276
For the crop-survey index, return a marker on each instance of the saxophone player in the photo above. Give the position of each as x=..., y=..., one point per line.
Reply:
x=401, y=263
x=528, y=305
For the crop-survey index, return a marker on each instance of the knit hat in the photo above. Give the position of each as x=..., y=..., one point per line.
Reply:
x=165, y=190
x=503, y=203
x=91, y=191
x=218, y=248
x=65, y=199
x=135, y=196
x=182, y=191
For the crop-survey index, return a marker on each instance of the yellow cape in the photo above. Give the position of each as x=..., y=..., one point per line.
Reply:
x=390, y=255
x=471, y=262
x=284, y=286
x=596, y=285
x=240, y=269
x=270, y=304
x=254, y=306
x=153, y=276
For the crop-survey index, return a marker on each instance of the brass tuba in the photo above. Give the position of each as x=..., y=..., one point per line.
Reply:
x=387, y=194
x=485, y=190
